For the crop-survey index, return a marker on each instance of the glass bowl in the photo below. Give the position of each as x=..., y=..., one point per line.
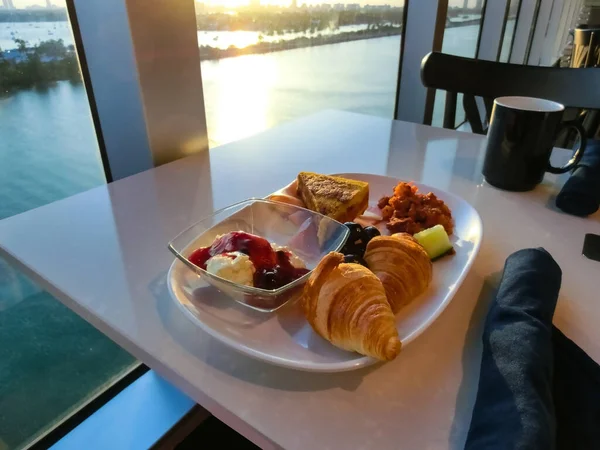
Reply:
x=308, y=234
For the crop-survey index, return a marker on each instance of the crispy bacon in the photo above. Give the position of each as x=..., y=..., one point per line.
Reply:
x=407, y=211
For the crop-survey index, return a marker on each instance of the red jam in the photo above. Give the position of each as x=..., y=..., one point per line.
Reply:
x=273, y=268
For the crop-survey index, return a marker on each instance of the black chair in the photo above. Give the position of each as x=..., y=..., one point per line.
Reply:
x=574, y=88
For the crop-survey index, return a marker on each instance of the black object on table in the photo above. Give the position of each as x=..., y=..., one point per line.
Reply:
x=537, y=389
x=580, y=195
x=591, y=246
x=521, y=136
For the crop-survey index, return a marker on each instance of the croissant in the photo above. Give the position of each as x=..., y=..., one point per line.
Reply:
x=402, y=265
x=346, y=304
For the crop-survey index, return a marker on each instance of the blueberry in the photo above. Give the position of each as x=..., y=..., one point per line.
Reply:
x=357, y=234
x=355, y=229
x=269, y=280
x=353, y=248
x=360, y=248
x=371, y=232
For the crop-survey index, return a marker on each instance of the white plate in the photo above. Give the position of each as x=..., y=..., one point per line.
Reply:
x=285, y=338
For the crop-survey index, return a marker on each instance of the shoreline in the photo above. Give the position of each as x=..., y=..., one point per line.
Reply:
x=50, y=63
x=208, y=53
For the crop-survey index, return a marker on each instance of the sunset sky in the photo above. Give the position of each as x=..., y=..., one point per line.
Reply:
x=25, y=3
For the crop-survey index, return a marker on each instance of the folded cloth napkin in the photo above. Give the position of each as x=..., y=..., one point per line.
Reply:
x=580, y=195
x=537, y=389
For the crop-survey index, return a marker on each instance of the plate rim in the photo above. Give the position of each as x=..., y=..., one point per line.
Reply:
x=357, y=363
x=257, y=354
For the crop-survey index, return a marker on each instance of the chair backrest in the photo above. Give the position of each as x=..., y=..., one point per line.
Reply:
x=575, y=88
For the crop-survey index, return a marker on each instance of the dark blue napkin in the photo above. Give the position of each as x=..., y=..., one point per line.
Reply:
x=537, y=389
x=580, y=195
x=576, y=392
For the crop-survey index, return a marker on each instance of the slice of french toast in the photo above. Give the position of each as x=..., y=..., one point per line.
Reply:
x=340, y=198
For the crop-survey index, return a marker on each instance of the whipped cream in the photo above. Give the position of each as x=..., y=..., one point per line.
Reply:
x=235, y=267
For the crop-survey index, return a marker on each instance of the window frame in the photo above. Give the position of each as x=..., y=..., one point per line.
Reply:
x=524, y=30
x=492, y=30
x=111, y=82
x=548, y=56
x=414, y=102
x=71, y=421
x=141, y=82
x=539, y=35
x=514, y=33
x=567, y=22
x=564, y=26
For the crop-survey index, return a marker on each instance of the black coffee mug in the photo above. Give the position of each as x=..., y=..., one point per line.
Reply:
x=522, y=132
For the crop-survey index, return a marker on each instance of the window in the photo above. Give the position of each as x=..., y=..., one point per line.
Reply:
x=509, y=30
x=49, y=356
x=463, y=25
x=267, y=62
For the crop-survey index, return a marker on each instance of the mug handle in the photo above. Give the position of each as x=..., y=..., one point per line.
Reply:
x=574, y=125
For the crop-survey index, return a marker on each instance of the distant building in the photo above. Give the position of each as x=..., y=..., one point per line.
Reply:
x=14, y=55
x=319, y=7
x=377, y=7
x=8, y=4
x=352, y=7
x=49, y=4
x=479, y=4
x=294, y=4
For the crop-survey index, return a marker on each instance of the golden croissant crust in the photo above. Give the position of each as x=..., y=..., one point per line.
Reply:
x=346, y=304
x=402, y=265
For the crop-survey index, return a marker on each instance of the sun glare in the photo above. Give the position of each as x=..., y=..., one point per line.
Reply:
x=228, y=3
x=239, y=3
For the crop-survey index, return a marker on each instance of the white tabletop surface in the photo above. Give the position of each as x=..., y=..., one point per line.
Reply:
x=104, y=254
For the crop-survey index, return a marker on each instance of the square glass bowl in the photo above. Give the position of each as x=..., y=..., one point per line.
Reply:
x=308, y=234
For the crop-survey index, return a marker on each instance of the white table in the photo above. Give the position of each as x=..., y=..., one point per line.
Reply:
x=104, y=254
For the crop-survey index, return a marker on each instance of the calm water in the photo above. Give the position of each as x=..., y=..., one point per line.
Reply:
x=48, y=148
x=356, y=76
x=33, y=32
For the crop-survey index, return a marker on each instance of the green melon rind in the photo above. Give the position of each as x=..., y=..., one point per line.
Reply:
x=435, y=241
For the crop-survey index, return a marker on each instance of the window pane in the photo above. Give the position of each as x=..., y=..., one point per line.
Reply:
x=51, y=361
x=509, y=31
x=272, y=61
x=463, y=25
